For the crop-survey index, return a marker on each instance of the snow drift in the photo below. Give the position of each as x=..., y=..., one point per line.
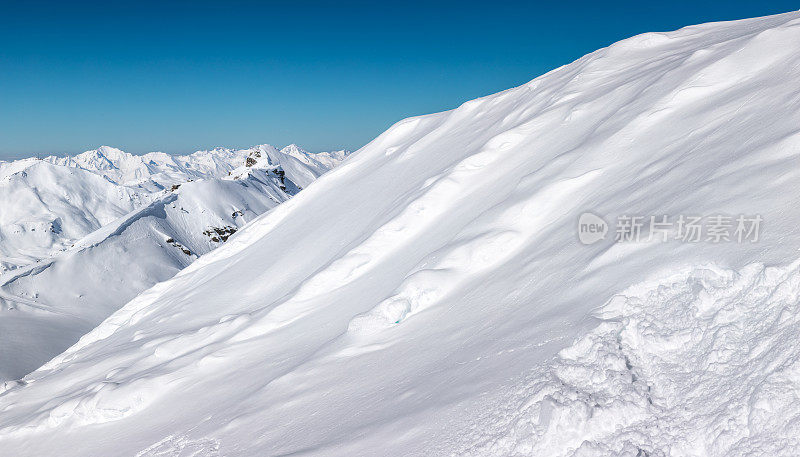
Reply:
x=430, y=296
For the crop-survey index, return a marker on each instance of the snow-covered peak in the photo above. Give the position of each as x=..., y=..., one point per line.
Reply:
x=299, y=165
x=105, y=153
x=297, y=152
x=100, y=159
x=293, y=149
x=319, y=161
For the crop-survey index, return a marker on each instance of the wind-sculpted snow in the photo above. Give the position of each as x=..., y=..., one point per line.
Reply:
x=704, y=361
x=431, y=296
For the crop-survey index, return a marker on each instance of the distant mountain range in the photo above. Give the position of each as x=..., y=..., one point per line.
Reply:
x=82, y=235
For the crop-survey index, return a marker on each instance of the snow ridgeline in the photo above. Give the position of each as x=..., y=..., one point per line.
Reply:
x=157, y=170
x=415, y=300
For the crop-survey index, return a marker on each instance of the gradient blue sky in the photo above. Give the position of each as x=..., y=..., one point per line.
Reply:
x=180, y=76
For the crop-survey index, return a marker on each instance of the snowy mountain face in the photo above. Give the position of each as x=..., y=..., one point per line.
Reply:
x=432, y=296
x=47, y=207
x=116, y=240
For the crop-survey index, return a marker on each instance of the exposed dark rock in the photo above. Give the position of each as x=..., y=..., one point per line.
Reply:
x=218, y=234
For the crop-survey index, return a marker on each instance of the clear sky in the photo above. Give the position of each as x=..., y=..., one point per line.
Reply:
x=179, y=76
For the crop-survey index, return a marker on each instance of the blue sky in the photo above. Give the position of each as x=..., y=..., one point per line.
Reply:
x=180, y=76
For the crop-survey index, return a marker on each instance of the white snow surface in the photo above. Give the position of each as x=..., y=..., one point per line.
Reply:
x=430, y=295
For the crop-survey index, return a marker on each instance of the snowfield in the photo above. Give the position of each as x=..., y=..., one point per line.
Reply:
x=430, y=295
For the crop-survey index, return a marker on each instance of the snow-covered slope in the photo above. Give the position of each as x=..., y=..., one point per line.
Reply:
x=431, y=297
